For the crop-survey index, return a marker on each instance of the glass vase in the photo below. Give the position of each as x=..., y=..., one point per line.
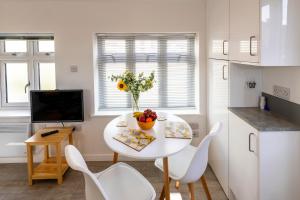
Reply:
x=135, y=103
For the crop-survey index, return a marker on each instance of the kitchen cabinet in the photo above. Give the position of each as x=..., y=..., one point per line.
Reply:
x=265, y=32
x=218, y=28
x=243, y=162
x=244, y=30
x=263, y=165
x=217, y=112
x=280, y=30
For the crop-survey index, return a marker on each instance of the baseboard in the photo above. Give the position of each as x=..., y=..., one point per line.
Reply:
x=37, y=157
x=13, y=160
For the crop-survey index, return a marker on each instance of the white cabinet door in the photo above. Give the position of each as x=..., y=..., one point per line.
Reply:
x=218, y=28
x=244, y=30
x=217, y=111
x=243, y=161
x=280, y=30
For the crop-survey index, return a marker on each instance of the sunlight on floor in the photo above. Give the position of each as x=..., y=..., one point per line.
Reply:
x=176, y=196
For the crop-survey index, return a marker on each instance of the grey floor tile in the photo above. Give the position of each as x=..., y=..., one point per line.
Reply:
x=13, y=183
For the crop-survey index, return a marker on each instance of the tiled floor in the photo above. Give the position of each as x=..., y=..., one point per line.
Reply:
x=13, y=183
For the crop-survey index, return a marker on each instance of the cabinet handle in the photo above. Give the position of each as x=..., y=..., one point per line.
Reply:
x=224, y=41
x=224, y=78
x=250, y=142
x=251, y=40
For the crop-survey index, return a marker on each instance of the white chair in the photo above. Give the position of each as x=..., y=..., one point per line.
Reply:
x=189, y=165
x=119, y=181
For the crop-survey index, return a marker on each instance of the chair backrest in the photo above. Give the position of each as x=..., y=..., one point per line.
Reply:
x=93, y=189
x=199, y=162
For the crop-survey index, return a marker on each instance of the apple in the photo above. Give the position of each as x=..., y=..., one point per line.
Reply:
x=142, y=118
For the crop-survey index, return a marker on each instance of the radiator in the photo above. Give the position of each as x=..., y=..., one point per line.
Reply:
x=12, y=137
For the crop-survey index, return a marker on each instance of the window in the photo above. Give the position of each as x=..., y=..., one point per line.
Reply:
x=170, y=56
x=46, y=76
x=27, y=62
x=12, y=46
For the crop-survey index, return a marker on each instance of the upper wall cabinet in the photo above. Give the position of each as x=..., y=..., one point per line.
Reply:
x=218, y=28
x=244, y=30
x=265, y=32
x=280, y=32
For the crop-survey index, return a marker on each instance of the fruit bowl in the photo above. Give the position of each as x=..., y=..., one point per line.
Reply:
x=146, y=125
x=146, y=119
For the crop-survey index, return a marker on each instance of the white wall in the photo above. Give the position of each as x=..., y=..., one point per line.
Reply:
x=240, y=94
x=74, y=24
x=283, y=76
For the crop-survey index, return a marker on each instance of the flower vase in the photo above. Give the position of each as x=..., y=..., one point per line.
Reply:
x=135, y=104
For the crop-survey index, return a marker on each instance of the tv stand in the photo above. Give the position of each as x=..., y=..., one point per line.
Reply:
x=51, y=167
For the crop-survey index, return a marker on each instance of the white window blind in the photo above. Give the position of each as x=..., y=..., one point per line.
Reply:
x=170, y=56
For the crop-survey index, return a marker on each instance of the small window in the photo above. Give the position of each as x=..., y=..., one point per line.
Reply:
x=26, y=63
x=16, y=81
x=47, y=76
x=46, y=46
x=15, y=46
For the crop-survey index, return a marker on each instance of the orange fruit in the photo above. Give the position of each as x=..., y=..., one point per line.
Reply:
x=149, y=119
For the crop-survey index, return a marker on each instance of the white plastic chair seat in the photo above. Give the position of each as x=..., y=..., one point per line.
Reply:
x=178, y=163
x=120, y=181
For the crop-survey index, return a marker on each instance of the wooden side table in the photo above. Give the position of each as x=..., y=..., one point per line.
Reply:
x=50, y=167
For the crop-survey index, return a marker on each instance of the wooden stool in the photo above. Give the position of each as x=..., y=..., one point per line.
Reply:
x=51, y=167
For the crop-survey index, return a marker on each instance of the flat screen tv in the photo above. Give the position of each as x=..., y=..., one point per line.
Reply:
x=56, y=106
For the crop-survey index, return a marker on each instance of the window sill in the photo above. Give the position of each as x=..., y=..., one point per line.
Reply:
x=14, y=113
x=15, y=116
x=117, y=113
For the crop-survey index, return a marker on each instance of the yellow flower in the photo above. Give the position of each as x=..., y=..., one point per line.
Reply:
x=122, y=86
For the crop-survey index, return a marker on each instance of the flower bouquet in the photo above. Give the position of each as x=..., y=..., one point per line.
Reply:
x=135, y=84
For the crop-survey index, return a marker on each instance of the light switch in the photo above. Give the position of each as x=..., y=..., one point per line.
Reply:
x=74, y=68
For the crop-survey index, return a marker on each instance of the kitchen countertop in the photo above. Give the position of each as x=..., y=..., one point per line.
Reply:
x=264, y=120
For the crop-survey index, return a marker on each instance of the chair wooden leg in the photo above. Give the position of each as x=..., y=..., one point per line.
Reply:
x=204, y=184
x=166, y=178
x=192, y=192
x=115, y=159
x=163, y=194
x=177, y=184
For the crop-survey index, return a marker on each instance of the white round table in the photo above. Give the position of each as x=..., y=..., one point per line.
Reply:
x=161, y=147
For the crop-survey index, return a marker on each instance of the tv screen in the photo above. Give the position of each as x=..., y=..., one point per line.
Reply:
x=56, y=106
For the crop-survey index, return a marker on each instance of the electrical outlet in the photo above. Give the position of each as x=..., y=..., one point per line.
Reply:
x=281, y=92
x=74, y=68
